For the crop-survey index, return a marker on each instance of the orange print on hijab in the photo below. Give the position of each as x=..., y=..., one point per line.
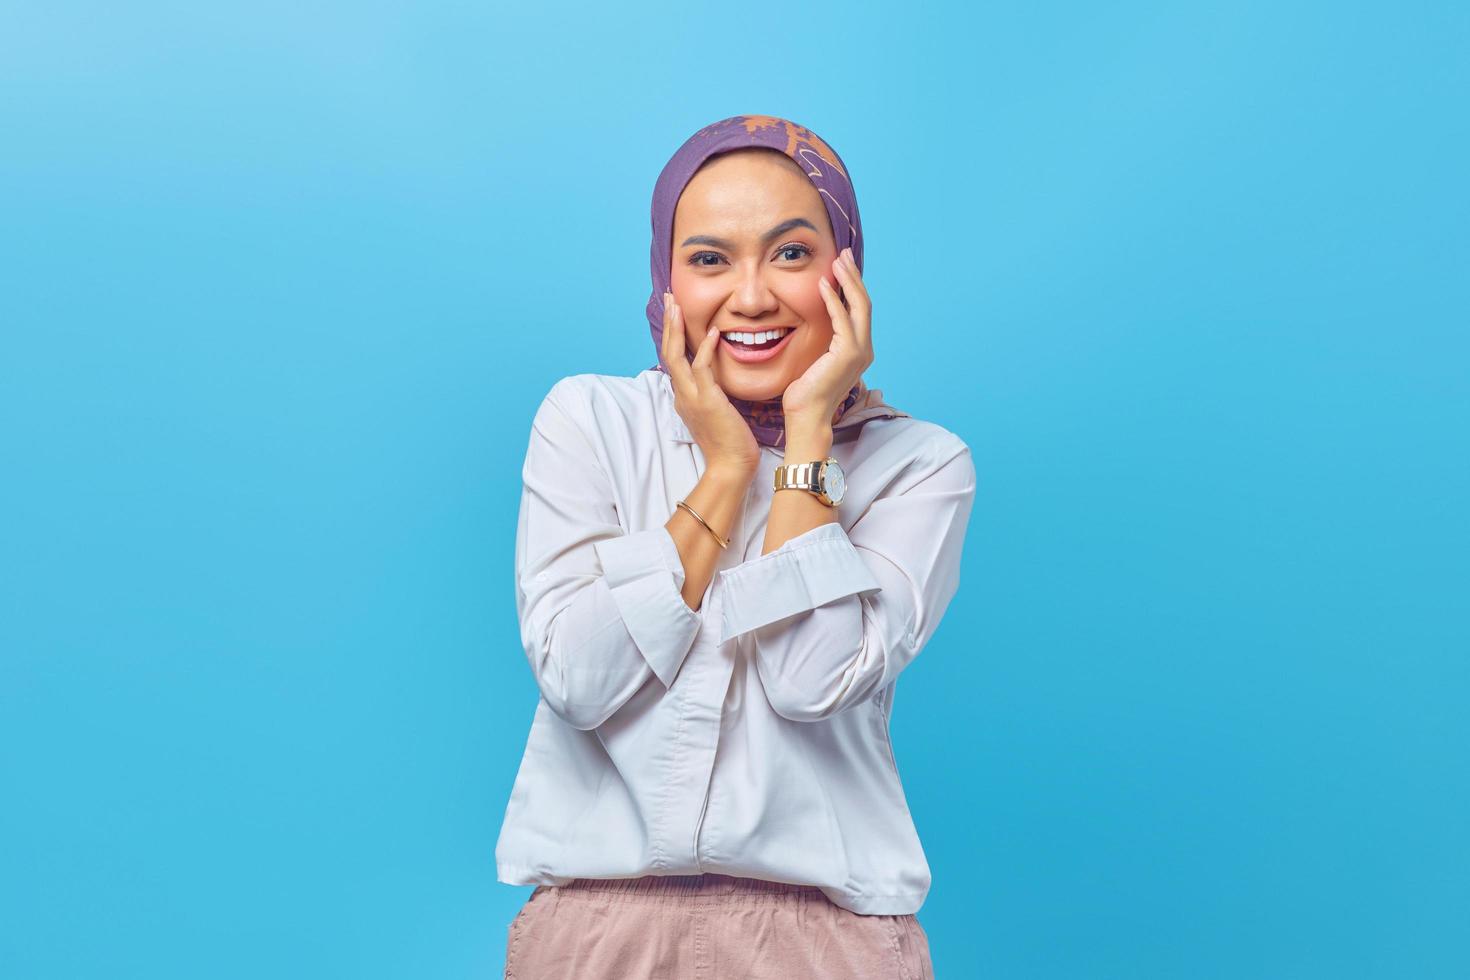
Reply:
x=794, y=134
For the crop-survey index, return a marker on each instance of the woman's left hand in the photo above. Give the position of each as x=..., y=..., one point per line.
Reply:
x=814, y=397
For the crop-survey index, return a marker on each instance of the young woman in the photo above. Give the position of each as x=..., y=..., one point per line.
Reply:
x=723, y=564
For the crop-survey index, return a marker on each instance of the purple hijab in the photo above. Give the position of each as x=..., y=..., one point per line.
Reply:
x=824, y=168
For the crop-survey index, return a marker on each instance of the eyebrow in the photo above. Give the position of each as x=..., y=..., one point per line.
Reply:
x=775, y=232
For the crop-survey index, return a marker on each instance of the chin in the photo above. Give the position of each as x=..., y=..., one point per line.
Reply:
x=756, y=394
x=755, y=390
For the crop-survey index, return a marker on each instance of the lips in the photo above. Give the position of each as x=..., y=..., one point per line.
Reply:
x=745, y=355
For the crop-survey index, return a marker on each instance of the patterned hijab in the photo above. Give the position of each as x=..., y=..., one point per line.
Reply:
x=824, y=168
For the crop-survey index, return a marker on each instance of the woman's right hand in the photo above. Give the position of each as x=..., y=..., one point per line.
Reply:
x=720, y=430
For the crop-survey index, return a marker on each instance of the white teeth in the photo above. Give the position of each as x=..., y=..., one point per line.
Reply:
x=756, y=338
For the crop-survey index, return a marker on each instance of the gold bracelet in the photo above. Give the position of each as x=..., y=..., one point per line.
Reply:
x=723, y=544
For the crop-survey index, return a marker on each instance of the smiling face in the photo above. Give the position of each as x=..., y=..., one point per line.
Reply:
x=751, y=240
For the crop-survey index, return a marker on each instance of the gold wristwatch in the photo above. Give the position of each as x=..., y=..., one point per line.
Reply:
x=823, y=478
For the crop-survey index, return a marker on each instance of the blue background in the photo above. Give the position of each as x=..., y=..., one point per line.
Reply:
x=283, y=284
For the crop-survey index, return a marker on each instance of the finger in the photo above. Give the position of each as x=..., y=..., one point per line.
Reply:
x=663, y=334
x=841, y=326
x=854, y=281
x=677, y=361
x=674, y=337
x=703, y=366
x=859, y=306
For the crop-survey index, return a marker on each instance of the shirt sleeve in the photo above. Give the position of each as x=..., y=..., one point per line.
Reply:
x=599, y=608
x=836, y=615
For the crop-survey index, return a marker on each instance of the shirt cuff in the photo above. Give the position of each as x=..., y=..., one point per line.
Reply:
x=645, y=575
x=809, y=570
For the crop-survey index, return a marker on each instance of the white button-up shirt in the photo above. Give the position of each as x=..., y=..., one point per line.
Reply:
x=748, y=737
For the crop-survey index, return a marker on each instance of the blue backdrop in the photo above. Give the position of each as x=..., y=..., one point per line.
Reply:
x=283, y=284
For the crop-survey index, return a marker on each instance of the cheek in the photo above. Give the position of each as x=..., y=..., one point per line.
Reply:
x=813, y=309
x=693, y=296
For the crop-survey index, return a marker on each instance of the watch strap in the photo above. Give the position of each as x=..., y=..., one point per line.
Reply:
x=802, y=476
x=798, y=476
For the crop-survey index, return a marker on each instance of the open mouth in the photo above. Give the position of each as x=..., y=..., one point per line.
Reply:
x=764, y=347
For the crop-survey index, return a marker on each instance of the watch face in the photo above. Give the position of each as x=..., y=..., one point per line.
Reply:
x=834, y=481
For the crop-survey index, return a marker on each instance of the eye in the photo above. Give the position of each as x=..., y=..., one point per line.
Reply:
x=698, y=258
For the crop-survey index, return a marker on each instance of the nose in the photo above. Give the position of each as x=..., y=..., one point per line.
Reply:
x=752, y=295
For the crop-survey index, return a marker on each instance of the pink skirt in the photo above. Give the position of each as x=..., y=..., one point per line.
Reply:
x=707, y=927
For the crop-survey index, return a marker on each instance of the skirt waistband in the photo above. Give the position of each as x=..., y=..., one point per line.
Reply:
x=681, y=888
